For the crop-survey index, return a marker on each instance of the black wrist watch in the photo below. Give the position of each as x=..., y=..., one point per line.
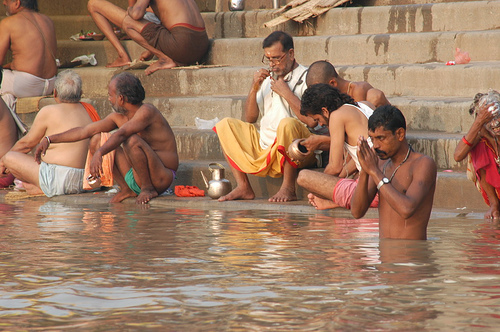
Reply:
x=382, y=182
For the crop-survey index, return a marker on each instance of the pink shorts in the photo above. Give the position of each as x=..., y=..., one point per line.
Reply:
x=342, y=193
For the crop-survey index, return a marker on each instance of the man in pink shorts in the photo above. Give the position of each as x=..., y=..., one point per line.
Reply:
x=347, y=120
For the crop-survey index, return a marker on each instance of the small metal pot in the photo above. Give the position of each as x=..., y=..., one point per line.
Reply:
x=235, y=5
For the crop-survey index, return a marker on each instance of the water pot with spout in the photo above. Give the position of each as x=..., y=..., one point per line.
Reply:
x=218, y=186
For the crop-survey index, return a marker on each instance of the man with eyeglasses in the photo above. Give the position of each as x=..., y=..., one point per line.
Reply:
x=275, y=96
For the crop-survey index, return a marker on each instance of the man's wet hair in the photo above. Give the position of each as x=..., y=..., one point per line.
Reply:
x=68, y=85
x=278, y=36
x=321, y=72
x=130, y=87
x=322, y=95
x=389, y=117
x=29, y=4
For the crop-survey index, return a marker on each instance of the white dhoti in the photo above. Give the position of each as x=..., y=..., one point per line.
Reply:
x=17, y=84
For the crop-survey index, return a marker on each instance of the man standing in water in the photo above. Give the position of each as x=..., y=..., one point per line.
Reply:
x=404, y=179
x=146, y=152
x=179, y=40
x=31, y=38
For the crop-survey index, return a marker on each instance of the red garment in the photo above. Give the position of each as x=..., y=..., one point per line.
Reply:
x=483, y=156
x=188, y=191
x=91, y=111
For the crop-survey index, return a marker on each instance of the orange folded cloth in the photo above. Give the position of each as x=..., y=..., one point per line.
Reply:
x=188, y=191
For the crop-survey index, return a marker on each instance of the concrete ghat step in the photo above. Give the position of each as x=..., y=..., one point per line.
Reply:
x=422, y=113
x=434, y=79
x=453, y=189
x=367, y=49
x=197, y=144
x=426, y=17
x=341, y=50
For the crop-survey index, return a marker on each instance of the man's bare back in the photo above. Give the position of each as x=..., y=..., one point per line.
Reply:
x=31, y=38
x=186, y=11
x=62, y=117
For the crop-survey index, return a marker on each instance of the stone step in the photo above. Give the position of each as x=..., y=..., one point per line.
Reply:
x=79, y=7
x=453, y=189
x=435, y=79
x=340, y=50
x=422, y=113
x=397, y=18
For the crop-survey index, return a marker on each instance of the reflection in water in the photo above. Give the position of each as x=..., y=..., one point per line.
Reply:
x=125, y=268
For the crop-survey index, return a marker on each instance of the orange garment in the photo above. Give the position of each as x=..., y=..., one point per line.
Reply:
x=108, y=160
x=91, y=111
x=188, y=191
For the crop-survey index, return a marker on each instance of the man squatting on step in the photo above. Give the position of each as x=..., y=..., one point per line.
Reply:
x=404, y=179
x=179, y=40
x=480, y=146
x=275, y=93
x=346, y=120
x=146, y=152
x=324, y=72
x=62, y=169
x=31, y=38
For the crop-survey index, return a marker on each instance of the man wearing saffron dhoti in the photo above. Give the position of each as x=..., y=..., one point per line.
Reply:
x=481, y=146
x=275, y=97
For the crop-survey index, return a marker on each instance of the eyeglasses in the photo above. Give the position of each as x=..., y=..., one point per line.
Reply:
x=274, y=61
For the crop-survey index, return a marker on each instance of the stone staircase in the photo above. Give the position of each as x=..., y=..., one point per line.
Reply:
x=401, y=49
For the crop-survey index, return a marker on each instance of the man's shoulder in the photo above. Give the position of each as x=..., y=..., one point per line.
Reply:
x=423, y=162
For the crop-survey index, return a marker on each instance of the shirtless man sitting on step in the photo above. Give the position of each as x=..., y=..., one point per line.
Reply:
x=179, y=40
x=146, y=153
x=31, y=38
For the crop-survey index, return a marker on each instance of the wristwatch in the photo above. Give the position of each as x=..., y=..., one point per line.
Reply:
x=382, y=182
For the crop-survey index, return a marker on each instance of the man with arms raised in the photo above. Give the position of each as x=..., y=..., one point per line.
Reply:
x=346, y=121
x=31, y=39
x=146, y=153
x=179, y=40
x=404, y=179
x=275, y=94
x=62, y=168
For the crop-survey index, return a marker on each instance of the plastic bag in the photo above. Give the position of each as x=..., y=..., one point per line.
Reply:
x=205, y=124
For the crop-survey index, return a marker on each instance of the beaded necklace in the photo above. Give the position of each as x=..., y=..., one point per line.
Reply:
x=404, y=160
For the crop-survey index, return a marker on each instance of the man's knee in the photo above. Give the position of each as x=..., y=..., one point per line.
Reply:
x=287, y=123
x=133, y=142
x=93, y=5
x=304, y=177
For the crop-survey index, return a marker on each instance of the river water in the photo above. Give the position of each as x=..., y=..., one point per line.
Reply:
x=102, y=268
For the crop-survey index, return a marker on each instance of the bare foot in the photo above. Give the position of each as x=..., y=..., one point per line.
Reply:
x=119, y=62
x=160, y=64
x=284, y=195
x=238, y=193
x=146, y=195
x=121, y=195
x=321, y=203
x=493, y=213
x=146, y=56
